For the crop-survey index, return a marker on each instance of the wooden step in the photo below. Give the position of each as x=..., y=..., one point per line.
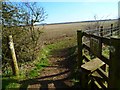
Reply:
x=96, y=74
x=92, y=65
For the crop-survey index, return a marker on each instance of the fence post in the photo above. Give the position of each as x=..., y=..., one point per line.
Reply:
x=119, y=30
x=98, y=30
x=79, y=43
x=100, y=41
x=14, y=60
x=101, y=31
x=80, y=58
x=100, y=47
x=111, y=31
x=114, y=64
x=118, y=33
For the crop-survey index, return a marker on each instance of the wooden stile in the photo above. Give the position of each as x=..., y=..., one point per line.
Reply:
x=91, y=70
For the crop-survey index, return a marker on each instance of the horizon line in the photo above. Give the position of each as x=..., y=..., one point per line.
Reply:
x=76, y=21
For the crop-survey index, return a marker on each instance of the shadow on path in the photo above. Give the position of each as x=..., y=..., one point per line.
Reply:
x=59, y=83
x=61, y=79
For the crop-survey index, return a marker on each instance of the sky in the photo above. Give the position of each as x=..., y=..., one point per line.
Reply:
x=77, y=10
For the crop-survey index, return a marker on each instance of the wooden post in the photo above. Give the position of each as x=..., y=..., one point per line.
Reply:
x=98, y=30
x=79, y=42
x=101, y=31
x=114, y=64
x=100, y=47
x=111, y=31
x=118, y=33
x=15, y=65
x=100, y=41
x=80, y=58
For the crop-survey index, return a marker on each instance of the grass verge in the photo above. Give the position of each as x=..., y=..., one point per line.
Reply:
x=12, y=82
x=33, y=69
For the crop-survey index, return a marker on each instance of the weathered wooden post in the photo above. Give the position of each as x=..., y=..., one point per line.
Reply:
x=14, y=60
x=119, y=31
x=101, y=31
x=98, y=31
x=79, y=43
x=111, y=31
x=100, y=47
x=80, y=59
x=114, y=64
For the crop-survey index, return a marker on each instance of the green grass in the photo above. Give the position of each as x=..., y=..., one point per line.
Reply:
x=41, y=62
x=10, y=83
x=68, y=42
x=106, y=52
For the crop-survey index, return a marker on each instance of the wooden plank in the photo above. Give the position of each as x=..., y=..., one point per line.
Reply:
x=104, y=59
x=85, y=57
x=103, y=74
x=85, y=34
x=99, y=83
x=86, y=47
x=92, y=65
x=91, y=35
x=79, y=43
x=95, y=46
x=96, y=74
x=105, y=40
x=114, y=66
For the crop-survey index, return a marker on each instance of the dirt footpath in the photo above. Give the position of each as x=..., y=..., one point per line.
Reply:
x=57, y=75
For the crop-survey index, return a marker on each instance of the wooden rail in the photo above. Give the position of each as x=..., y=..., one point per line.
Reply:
x=103, y=72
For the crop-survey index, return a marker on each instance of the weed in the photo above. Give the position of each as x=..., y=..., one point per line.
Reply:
x=9, y=83
x=33, y=73
x=106, y=52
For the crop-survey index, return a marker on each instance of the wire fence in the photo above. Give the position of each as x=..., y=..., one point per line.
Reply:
x=103, y=32
x=106, y=32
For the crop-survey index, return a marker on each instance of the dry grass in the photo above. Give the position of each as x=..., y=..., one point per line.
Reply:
x=51, y=33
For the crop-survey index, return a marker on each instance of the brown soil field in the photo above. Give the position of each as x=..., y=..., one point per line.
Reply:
x=55, y=32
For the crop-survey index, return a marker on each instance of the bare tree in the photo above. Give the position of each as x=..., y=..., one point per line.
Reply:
x=34, y=14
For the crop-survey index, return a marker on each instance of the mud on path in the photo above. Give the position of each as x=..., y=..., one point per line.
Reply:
x=57, y=75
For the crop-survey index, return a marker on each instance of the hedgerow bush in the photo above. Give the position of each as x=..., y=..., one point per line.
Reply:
x=17, y=22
